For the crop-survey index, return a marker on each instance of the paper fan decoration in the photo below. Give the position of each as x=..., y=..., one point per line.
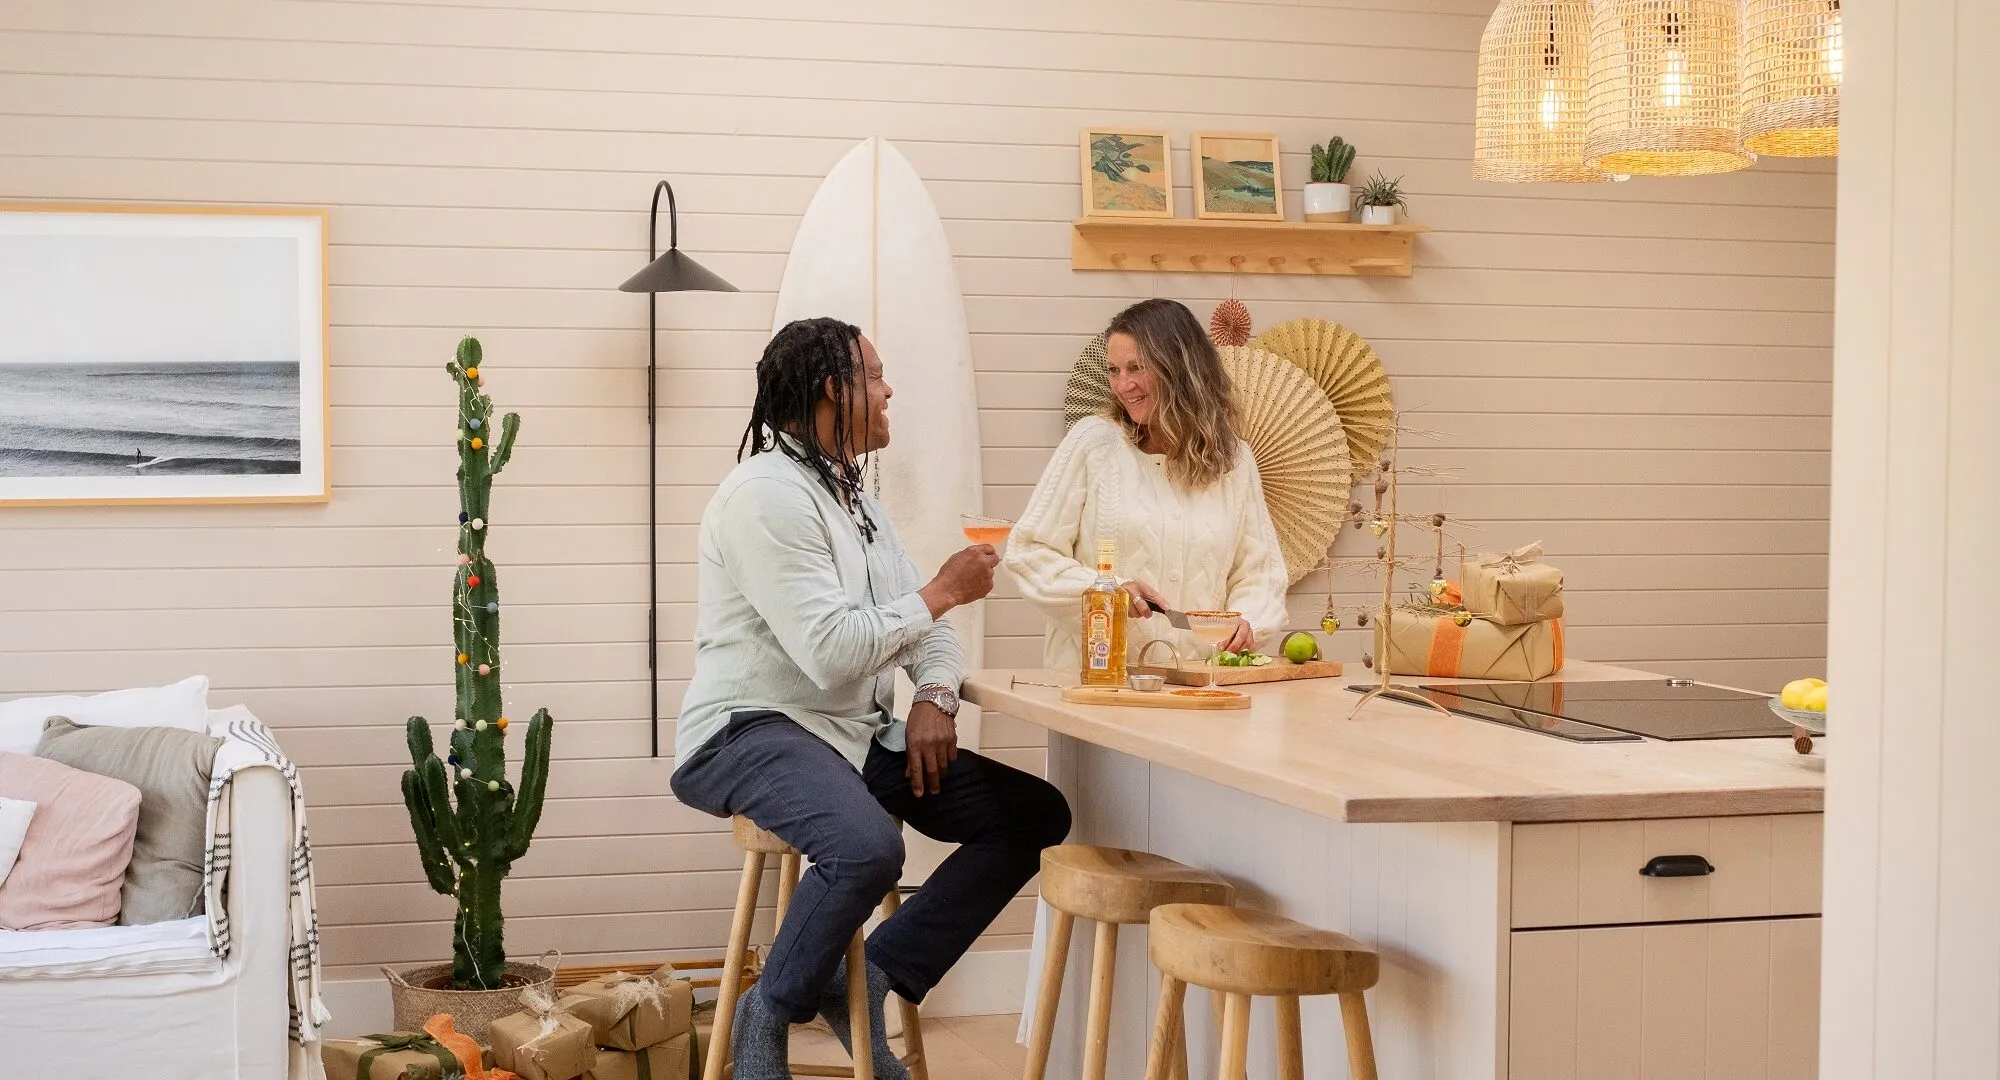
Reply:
x=1301, y=451
x=1230, y=325
x=1089, y=389
x=1346, y=368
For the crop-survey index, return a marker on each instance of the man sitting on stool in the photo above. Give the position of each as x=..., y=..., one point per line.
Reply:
x=808, y=605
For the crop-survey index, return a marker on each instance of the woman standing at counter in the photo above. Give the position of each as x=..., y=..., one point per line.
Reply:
x=1164, y=475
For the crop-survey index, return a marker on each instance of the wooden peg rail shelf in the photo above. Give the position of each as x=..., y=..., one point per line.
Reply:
x=1201, y=245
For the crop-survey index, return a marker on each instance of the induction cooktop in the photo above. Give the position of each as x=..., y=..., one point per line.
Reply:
x=1508, y=716
x=1669, y=709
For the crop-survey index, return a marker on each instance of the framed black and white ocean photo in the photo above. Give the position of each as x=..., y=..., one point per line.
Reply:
x=162, y=355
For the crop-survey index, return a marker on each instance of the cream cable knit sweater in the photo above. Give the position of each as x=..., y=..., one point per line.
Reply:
x=1206, y=549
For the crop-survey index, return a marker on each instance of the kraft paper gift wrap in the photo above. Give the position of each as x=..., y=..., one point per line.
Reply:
x=542, y=1042
x=394, y=1055
x=1427, y=641
x=1514, y=588
x=670, y=1060
x=632, y=1012
x=704, y=1033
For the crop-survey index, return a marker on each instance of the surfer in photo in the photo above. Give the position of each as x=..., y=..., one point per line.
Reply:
x=1163, y=474
x=808, y=605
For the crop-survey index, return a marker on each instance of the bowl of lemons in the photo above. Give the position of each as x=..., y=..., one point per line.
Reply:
x=1802, y=704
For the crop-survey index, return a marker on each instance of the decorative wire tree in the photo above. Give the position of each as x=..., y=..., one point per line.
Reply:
x=468, y=848
x=1384, y=522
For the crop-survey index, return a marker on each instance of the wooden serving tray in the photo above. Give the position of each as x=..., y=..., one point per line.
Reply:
x=1278, y=670
x=1154, y=699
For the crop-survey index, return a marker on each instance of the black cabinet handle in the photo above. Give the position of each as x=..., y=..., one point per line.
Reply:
x=1677, y=866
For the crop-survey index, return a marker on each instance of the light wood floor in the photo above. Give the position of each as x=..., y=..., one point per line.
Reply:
x=959, y=1047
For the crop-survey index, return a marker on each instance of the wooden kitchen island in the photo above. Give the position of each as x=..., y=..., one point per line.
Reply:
x=1496, y=870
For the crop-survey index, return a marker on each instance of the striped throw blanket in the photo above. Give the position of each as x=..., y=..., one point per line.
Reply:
x=248, y=744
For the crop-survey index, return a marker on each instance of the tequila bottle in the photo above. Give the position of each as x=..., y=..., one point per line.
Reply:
x=1104, y=613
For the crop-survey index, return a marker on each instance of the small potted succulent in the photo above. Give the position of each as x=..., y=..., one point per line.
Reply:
x=1328, y=197
x=1379, y=199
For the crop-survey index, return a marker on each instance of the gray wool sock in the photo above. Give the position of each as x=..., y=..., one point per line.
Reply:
x=761, y=1039
x=833, y=1007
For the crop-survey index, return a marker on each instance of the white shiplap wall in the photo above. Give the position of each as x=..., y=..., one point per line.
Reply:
x=1635, y=374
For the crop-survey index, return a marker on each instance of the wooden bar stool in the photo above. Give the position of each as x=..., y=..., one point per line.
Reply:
x=1241, y=954
x=757, y=844
x=1113, y=887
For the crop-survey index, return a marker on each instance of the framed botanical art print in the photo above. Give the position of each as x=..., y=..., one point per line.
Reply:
x=1127, y=172
x=162, y=355
x=1236, y=177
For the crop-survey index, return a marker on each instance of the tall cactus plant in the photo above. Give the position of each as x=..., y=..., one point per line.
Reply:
x=468, y=844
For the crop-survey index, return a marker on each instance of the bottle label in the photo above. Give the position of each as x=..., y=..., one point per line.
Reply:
x=1098, y=637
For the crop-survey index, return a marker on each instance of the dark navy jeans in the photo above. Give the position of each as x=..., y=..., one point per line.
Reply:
x=790, y=782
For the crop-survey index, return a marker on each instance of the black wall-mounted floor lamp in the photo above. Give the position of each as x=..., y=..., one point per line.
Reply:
x=668, y=272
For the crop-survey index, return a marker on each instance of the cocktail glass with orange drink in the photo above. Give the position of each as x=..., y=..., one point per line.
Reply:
x=991, y=531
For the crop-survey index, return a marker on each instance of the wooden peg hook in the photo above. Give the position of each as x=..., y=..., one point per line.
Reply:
x=1158, y=260
x=1236, y=261
x=1277, y=262
x=1198, y=260
x=1118, y=259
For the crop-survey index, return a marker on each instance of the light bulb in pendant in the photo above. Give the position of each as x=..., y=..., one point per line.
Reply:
x=1552, y=111
x=1830, y=47
x=1673, y=80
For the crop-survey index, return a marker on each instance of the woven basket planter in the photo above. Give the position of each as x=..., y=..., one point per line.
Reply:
x=472, y=1011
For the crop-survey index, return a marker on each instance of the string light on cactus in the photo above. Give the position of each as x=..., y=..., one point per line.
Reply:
x=469, y=822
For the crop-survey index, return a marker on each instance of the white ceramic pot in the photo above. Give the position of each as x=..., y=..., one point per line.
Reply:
x=1329, y=202
x=1378, y=215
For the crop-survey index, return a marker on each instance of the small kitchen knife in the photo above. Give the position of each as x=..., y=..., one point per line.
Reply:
x=1178, y=618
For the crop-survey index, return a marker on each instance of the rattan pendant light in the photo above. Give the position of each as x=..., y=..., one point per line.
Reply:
x=1663, y=88
x=1791, y=77
x=1534, y=94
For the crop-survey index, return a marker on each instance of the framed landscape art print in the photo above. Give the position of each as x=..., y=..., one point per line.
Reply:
x=162, y=355
x=1236, y=177
x=1127, y=172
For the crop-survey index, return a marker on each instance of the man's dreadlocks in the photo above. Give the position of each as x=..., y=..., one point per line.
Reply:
x=794, y=373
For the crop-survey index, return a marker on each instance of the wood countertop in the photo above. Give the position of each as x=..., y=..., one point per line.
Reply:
x=1398, y=762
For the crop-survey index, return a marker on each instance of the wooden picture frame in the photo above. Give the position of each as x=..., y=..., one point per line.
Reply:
x=1229, y=169
x=1126, y=172
x=163, y=355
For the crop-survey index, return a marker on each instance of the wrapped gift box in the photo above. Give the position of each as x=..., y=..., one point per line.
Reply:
x=1428, y=641
x=1514, y=588
x=395, y=1055
x=543, y=1043
x=632, y=1012
x=670, y=1060
x=704, y=1033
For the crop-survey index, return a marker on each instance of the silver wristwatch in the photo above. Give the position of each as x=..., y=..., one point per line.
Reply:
x=940, y=695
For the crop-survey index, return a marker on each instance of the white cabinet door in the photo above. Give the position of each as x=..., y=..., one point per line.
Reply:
x=1681, y=1001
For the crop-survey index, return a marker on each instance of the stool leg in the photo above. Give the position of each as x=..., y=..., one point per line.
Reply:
x=1043, y=1033
x=788, y=883
x=913, y=1032
x=1291, y=1047
x=1169, y=1045
x=1235, y=1037
x=861, y=1028
x=1097, y=1029
x=732, y=964
x=1360, y=1044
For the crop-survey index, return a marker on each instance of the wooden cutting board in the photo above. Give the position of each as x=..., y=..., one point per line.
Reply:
x=1279, y=670
x=1154, y=699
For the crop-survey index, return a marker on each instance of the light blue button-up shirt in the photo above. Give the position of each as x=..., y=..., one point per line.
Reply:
x=799, y=614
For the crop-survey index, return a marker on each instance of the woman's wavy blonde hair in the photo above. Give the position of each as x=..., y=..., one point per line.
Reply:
x=1195, y=414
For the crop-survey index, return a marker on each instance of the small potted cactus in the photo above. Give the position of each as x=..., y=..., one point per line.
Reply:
x=1328, y=196
x=469, y=822
x=1379, y=199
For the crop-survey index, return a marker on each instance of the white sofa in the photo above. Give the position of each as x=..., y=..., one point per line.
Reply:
x=153, y=1001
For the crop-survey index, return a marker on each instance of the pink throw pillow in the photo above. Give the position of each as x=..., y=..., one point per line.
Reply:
x=72, y=862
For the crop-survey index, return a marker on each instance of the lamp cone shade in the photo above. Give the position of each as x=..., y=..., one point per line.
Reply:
x=1664, y=88
x=1534, y=94
x=675, y=272
x=1791, y=77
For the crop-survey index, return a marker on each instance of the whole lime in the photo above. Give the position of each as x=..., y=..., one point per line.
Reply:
x=1301, y=647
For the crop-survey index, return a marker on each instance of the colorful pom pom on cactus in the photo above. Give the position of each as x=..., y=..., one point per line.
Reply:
x=493, y=607
x=473, y=423
x=472, y=581
x=464, y=659
x=486, y=669
x=472, y=373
